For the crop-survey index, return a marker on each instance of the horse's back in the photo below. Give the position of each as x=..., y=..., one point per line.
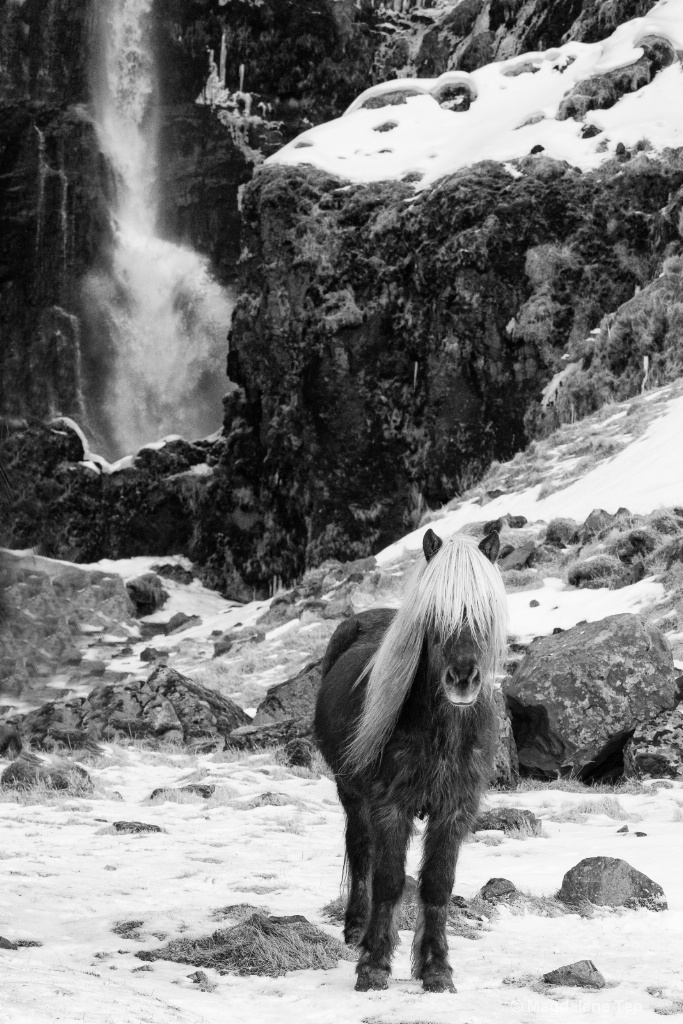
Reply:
x=339, y=701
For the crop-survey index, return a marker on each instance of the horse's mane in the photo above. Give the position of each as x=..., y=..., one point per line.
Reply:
x=459, y=585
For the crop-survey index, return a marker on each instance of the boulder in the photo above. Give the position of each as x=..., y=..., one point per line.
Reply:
x=147, y=593
x=599, y=523
x=582, y=974
x=519, y=558
x=610, y=882
x=167, y=706
x=50, y=604
x=181, y=621
x=295, y=698
x=10, y=740
x=656, y=747
x=28, y=770
x=577, y=696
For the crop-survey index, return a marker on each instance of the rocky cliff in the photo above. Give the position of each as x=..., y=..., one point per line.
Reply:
x=387, y=344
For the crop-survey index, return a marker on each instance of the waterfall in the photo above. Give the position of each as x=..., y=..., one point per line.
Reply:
x=166, y=318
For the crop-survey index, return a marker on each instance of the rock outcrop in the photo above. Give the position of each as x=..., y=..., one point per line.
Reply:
x=50, y=605
x=577, y=696
x=166, y=707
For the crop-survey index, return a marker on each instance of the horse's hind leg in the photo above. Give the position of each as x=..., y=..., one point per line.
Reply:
x=391, y=832
x=430, y=947
x=359, y=858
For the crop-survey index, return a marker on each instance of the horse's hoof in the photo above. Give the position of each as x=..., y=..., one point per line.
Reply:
x=438, y=983
x=372, y=979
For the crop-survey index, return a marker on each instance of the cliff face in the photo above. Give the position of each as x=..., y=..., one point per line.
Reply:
x=53, y=204
x=390, y=346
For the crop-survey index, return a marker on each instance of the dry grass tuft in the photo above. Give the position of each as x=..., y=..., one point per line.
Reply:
x=598, y=571
x=578, y=812
x=467, y=923
x=258, y=945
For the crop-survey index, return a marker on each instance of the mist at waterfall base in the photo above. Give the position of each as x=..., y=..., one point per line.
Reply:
x=158, y=318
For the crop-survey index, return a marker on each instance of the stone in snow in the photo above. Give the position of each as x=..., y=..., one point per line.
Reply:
x=610, y=882
x=582, y=974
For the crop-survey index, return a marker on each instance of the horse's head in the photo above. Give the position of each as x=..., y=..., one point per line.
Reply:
x=458, y=661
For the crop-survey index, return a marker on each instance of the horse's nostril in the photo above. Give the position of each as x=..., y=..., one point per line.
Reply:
x=462, y=678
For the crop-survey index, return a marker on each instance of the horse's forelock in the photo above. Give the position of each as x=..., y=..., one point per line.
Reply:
x=458, y=585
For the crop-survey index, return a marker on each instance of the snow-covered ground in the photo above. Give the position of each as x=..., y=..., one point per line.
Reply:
x=67, y=881
x=512, y=111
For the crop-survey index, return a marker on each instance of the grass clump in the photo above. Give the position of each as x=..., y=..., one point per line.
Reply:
x=598, y=571
x=607, y=805
x=468, y=921
x=258, y=945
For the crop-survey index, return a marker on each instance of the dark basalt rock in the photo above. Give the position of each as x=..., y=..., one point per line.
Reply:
x=506, y=818
x=655, y=750
x=147, y=593
x=582, y=974
x=165, y=707
x=134, y=827
x=498, y=890
x=610, y=882
x=577, y=696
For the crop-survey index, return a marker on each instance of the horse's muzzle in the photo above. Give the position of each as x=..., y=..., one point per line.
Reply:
x=462, y=688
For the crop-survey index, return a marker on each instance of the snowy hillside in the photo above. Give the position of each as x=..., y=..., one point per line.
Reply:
x=423, y=129
x=270, y=836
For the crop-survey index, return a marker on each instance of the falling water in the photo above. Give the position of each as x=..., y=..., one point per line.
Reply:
x=166, y=317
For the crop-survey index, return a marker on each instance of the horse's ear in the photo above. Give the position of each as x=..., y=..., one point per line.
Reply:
x=431, y=544
x=490, y=546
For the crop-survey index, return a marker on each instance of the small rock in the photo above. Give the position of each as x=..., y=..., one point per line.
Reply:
x=497, y=889
x=131, y=827
x=181, y=621
x=624, y=828
x=506, y=819
x=10, y=741
x=534, y=603
x=582, y=974
x=520, y=558
x=198, y=789
x=151, y=654
x=610, y=882
x=174, y=572
x=299, y=752
x=640, y=834
x=199, y=978
x=338, y=609
x=147, y=593
x=6, y=944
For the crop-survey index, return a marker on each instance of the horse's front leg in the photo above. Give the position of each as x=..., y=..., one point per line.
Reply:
x=391, y=832
x=437, y=874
